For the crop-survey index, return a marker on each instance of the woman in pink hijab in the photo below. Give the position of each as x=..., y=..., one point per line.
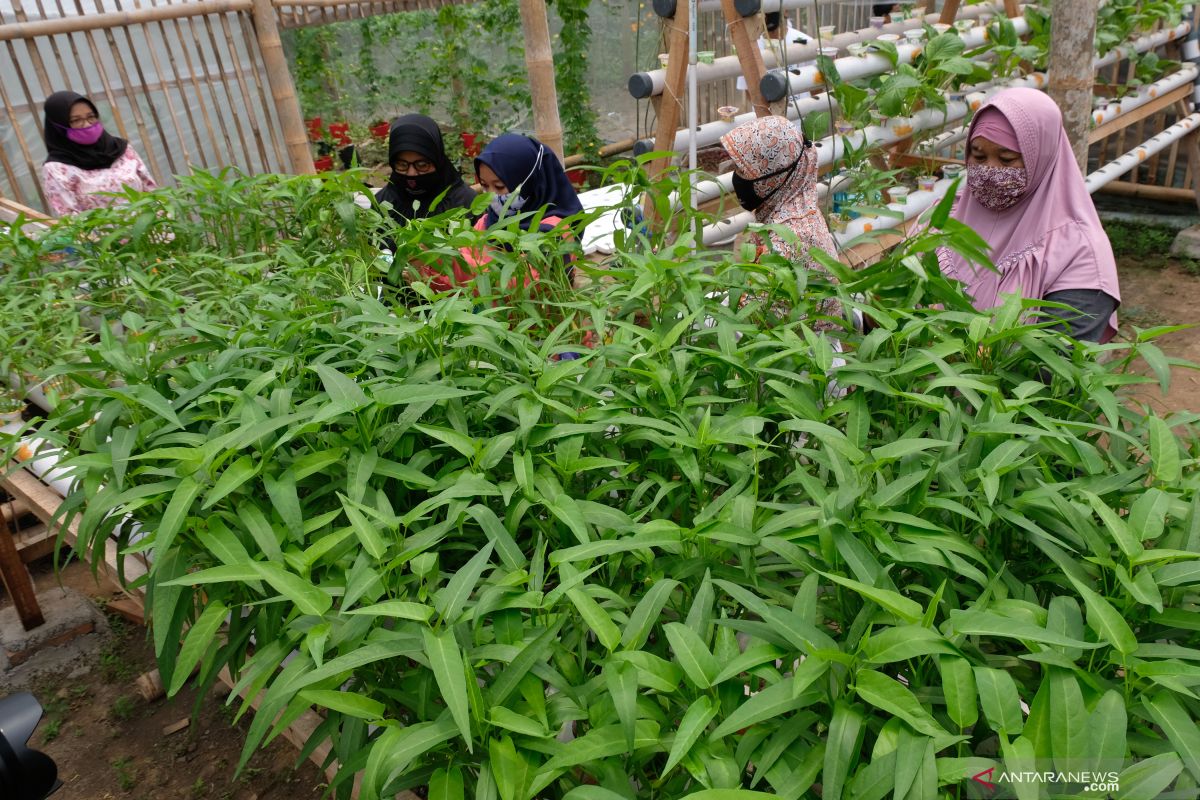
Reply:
x=1026, y=198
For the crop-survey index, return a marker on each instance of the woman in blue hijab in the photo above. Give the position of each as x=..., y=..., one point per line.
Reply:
x=525, y=176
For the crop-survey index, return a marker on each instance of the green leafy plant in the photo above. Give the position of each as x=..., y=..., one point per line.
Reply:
x=710, y=554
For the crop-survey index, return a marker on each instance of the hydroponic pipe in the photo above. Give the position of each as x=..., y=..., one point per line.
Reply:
x=1184, y=77
x=1155, y=144
x=711, y=132
x=1142, y=44
x=653, y=82
x=778, y=84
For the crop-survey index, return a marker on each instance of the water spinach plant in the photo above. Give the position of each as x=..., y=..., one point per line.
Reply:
x=710, y=557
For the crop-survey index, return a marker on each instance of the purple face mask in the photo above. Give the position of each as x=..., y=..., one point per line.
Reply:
x=89, y=135
x=997, y=188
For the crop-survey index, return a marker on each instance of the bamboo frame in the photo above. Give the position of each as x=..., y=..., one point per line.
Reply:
x=103, y=20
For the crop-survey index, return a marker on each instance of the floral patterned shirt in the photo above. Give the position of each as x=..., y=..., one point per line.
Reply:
x=70, y=190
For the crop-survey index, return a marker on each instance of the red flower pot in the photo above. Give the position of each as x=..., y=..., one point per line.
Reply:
x=576, y=177
x=324, y=163
x=469, y=145
x=380, y=130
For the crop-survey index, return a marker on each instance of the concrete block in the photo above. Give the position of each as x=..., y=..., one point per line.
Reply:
x=69, y=615
x=1187, y=243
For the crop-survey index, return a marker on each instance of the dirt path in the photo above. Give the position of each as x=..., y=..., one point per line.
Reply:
x=1167, y=295
x=109, y=743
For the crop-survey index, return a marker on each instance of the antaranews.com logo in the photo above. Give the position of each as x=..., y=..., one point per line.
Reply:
x=998, y=782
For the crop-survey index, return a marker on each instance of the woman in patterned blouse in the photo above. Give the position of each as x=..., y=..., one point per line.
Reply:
x=84, y=162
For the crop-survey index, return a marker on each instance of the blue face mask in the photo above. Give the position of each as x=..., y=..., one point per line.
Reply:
x=504, y=204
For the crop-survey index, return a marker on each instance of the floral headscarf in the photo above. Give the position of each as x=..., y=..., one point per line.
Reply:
x=770, y=144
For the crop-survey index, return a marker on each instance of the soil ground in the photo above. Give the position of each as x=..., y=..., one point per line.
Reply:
x=110, y=744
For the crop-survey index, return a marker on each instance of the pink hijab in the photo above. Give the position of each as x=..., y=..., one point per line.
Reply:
x=1051, y=239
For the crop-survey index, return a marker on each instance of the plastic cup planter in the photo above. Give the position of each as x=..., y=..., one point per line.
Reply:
x=964, y=25
x=925, y=183
x=859, y=49
x=827, y=31
x=829, y=52
x=843, y=127
x=899, y=195
x=706, y=56
x=901, y=126
x=727, y=113
x=888, y=37
x=952, y=171
x=915, y=35
x=941, y=27
x=662, y=60
x=878, y=22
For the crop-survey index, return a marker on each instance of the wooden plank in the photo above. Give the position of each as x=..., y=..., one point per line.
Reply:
x=749, y=55
x=1193, y=151
x=18, y=582
x=1125, y=120
x=34, y=542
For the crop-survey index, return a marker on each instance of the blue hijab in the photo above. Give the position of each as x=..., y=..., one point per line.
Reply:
x=522, y=161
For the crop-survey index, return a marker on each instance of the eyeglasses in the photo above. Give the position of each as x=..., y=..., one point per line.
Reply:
x=83, y=122
x=420, y=166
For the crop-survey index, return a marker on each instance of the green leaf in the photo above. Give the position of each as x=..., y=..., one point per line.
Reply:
x=306, y=597
x=1000, y=701
x=958, y=687
x=891, y=696
x=729, y=794
x=984, y=623
x=411, y=393
x=396, y=748
x=343, y=391
x=1149, y=778
x=1106, y=621
x=1130, y=544
x=233, y=477
x=453, y=597
x=894, y=602
x=904, y=642
x=647, y=613
x=364, y=529
x=842, y=750
x=1164, y=451
x=510, y=769
x=450, y=672
x=774, y=701
x=568, y=512
x=1068, y=720
x=396, y=609
x=1107, y=728
x=199, y=637
x=597, y=618
x=506, y=547
x=692, y=654
x=691, y=728
x=604, y=742
x=182, y=498
x=447, y=784
x=1179, y=726
x=349, y=703
x=510, y=720
x=620, y=677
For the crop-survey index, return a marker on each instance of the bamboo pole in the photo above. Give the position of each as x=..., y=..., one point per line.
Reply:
x=539, y=63
x=279, y=158
x=287, y=107
x=252, y=121
x=226, y=110
x=84, y=73
x=90, y=37
x=182, y=89
x=35, y=55
x=24, y=152
x=150, y=157
x=669, y=108
x=166, y=90
x=102, y=20
x=178, y=25
x=1071, y=73
x=172, y=169
x=750, y=57
x=37, y=119
x=949, y=12
x=1169, y=194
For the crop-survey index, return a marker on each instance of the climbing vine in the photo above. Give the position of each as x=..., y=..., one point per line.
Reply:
x=571, y=77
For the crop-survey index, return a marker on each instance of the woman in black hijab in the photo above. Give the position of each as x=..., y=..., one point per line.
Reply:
x=84, y=162
x=421, y=172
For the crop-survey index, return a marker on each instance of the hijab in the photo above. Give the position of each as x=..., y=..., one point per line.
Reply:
x=772, y=144
x=99, y=155
x=533, y=171
x=420, y=134
x=1051, y=239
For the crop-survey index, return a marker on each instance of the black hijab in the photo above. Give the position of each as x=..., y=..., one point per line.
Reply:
x=101, y=155
x=420, y=134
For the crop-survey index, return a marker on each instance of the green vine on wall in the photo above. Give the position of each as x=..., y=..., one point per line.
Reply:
x=571, y=77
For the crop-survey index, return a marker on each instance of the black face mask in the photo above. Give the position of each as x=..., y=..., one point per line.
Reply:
x=428, y=182
x=744, y=187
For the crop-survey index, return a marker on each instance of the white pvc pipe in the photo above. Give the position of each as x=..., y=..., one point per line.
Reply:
x=1143, y=44
x=693, y=101
x=1155, y=144
x=1185, y=76
x=851, y=67
x=711, y=132
x=731, y=67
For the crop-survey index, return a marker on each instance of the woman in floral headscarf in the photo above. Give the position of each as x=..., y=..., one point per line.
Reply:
x=775, y=176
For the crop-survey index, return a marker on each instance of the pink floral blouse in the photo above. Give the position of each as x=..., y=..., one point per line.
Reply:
x=70, y=190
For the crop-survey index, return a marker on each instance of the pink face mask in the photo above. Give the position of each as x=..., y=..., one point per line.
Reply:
x=996, y=188
x=89, y=135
